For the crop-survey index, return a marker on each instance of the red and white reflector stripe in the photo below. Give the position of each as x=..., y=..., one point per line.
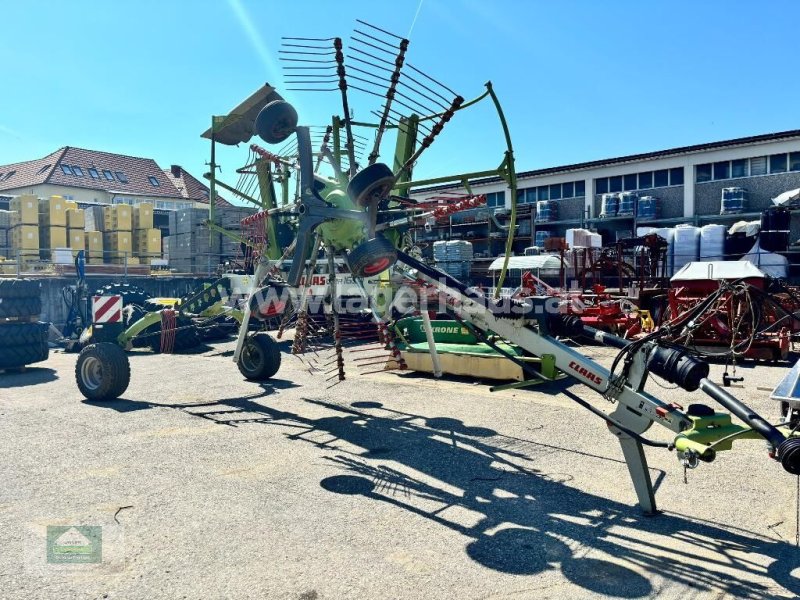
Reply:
x=106, y=309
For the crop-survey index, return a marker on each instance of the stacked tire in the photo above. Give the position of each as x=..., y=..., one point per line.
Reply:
x=23, y=339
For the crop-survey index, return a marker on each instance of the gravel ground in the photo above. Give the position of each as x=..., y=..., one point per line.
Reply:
x=388, y=485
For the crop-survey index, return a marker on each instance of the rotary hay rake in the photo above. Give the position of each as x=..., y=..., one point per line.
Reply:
x=361, y=214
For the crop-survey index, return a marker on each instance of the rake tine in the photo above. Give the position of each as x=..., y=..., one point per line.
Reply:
x=305, y=39
x=372, y=37
x=355, y=87
x=357, y=78
x=306, y=53
x=422, y=85
x=373, y=65
x=434, y=100
x=389, y=52
x=372, y=56
x=378, y=29
x=387, y=79
x=428, y=77
x=308, y=60
x=305, y=46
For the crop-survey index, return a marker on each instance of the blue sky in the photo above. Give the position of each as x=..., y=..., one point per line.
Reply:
x=578, y=79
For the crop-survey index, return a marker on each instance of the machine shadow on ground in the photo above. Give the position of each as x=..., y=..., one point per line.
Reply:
x=516, y=516
x=28, y=376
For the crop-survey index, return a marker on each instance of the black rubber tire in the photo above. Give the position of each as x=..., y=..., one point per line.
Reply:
x=186, y=337
x=20, y=288
x=23, y=334
x=102, y=372
x=276, y=122
x=30, y=306
x=372, y=257
x=371, y=185
x=219, y=328
x=260, y=358
x=23, y=344
x=130, y=293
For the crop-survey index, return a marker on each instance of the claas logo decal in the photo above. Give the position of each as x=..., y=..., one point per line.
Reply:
x=585, y=372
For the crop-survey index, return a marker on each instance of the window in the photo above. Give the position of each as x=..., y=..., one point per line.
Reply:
x=542, y=193
x=777, y=163
x=520, y=196
x=9, y=175
x=43, y=169
x=580, y=189
x=739, y=168
x=108, y=175
x=722, y=170
x=645, y=180
x=629, y=182
x=93, y=172
x=492, y=200
x=758, y=166
x=615, y=183
x=601, y=185
x=703, y=173
x=794, y=161
x=121, y=176
x=530, y=196
x=661, y=178
x=77, y=170
x=555, y=192
x=67, y=170
x=568, y=190
x=676, y=176
x=153, y=181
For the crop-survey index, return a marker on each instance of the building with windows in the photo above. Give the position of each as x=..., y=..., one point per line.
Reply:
x=94, y=177
x=686, y=182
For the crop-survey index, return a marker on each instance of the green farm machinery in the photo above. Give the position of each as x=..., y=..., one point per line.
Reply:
x=361, y=211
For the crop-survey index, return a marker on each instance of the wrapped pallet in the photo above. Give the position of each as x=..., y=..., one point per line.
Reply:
x=147, y=243
x=143, y=216
x=94, y=218
x=25, y=209
x=94, y=246
x=117, y=218
x=51, y=238
x=53, y=212
x=76, y=239
x=25, y=237
x=687, y=246
x=118, y=245
x=712, y=242
x=76, y=218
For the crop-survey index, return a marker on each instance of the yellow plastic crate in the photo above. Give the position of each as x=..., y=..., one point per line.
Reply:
x=147, y=242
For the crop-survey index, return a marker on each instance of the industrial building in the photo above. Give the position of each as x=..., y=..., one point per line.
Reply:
x=685, y=184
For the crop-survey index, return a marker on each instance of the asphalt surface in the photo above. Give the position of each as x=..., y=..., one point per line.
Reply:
x=387, y=485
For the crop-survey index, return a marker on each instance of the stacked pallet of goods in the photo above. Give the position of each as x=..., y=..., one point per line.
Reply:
x=24, y=232
x=76, y=225
x=117, y=234
x=146, y=238
x=194, y=247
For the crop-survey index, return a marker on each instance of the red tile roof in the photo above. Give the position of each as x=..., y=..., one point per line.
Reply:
x=31, y=172
x=190, y=187
x=136, y=170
